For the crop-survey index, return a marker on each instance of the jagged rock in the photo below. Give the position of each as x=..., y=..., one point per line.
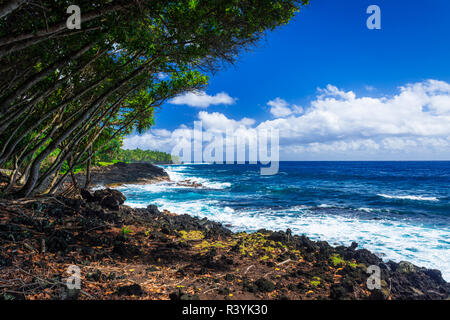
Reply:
x=305, y=243
x=125, y=173
x=278, y=236
x=436, y=275
x=406, y=267
x=126, y=250
x=130, y=290
x=110, y=202
x=366, y=257
x=152, y=209
x=109, y=198
x=87, y=195
x=59, y=241
x=342, y=291
x=102, y=193
x=264, y=285
x=180, y=295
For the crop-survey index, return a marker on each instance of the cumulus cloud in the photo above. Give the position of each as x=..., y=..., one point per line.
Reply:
x=419, y=110
x=280, y=108
x=218, y=122
x=201, y=99
x=413, y=124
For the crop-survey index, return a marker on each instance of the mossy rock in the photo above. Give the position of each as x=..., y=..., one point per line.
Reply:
x=337, y=260
x=193, y=235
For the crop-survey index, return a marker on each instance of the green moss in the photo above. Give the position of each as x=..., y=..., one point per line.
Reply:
x=105, y=163
x=126, y=230
x=206, y=245
x=315, y=283
x=337, y=260
x=191, y=235
x=255, y=245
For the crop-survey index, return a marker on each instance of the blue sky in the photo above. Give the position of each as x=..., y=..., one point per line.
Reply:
x=284, y=82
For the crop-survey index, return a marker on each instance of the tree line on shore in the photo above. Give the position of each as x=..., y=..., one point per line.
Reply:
x=115, y=153
x=65, y=94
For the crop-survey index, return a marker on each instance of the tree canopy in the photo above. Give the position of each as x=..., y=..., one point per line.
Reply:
x=67, y=93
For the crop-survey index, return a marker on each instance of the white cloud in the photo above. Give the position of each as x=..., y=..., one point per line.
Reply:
x=212, y=124
x=280, y=108
x=162, y=132
x=412, y=124
x=218, y=122
x=200, y=99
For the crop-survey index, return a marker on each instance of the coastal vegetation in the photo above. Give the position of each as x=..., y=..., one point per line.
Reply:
x=134, y=155
x=67, y=93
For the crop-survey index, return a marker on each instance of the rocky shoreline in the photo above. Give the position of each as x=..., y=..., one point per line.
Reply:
x=125, y=173
x=128, y=253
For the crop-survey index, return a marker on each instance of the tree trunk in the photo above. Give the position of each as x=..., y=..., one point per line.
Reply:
x=54, y=179
x=34, y=171
x=88, y=170
x=12, y=134
x=10, y=6
x=74, y=179
x=30, y=82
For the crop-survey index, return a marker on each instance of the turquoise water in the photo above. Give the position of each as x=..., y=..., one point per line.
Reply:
x=398, y=210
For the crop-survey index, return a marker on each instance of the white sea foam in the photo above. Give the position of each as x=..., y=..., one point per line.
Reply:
x=98, y=187
x=408, y=197
x=158, y=187
x=210, y=184
x=177, y=174
x=368, y=210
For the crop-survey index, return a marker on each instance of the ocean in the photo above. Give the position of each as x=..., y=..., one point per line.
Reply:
x=398, y=210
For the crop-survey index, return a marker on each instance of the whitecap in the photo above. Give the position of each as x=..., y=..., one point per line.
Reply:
x=178, y=174
x=408, y=197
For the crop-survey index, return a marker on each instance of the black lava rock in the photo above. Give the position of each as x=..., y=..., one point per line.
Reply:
x=130, y=290
x=153, y=210
x=264, y=285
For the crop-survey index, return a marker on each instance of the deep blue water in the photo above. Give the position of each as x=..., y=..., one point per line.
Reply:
x=399, y=210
